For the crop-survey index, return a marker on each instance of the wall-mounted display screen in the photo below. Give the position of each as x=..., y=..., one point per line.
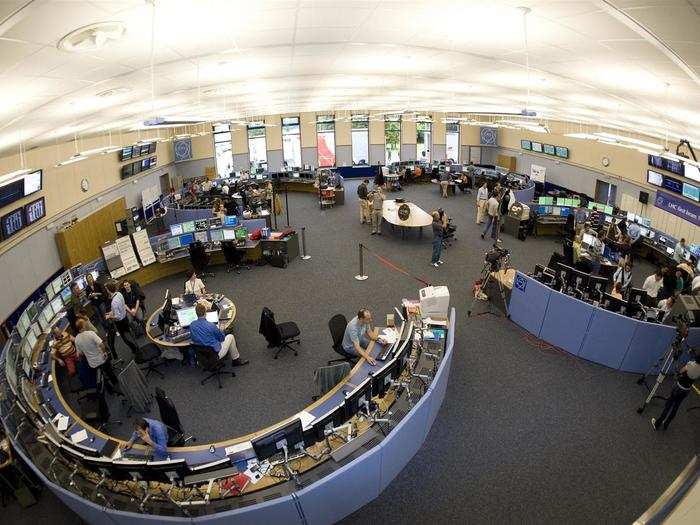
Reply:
x=673, y=166
x=11, y=192
x=526, y=144
x=32, y=182
x=145, y=164
x=127, y=171
x=548, y=149
x=690, y=170
x=691, y=191
x=673, y=185
x=12, y=223
x=137, y=167
x=145, y=148
x=125, y=153
x=561, y=151
x=655, y=178
x=154, y=160
x=34, y=211
x=152, y=147
x=537, y=147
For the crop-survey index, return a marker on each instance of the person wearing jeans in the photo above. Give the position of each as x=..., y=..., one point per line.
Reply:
x=686, y=377
x=492, y=209
x=377, y=203
x=117, y=314
x=437, y=240
x=205, y=333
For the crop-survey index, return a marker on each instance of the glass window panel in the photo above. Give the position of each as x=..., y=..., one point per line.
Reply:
x=257, y=151
x=452, y=146
x=326, y=149
x=290, y=126
x=392, y=139
x=291, y=148
x=224, y=158
x=360, y=146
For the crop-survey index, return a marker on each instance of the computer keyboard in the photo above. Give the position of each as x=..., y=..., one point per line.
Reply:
x=137, y=457
x=182, y=336
x=385, y=352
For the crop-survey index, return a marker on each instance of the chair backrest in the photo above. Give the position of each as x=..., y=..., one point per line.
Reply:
x=231, y=254
x=568, y=252
x=268, y=327
x=326, y=377
x=168, y=412
x=206, y=357
x=337, y=325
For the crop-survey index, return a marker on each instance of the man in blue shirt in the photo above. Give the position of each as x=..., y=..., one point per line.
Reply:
x=204, y=333
x=117, y=314
x=153, y=433
x=358, y=338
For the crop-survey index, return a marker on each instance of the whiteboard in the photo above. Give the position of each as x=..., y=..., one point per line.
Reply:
x=149, y=196
x=143, y=247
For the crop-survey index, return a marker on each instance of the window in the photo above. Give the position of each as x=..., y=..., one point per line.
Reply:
x=257, y=146
x=222, y=149
x=452, y=140
x=325, y=135
x=360, y=139
x=291, y=142
x=392, y=138
x=423, y=142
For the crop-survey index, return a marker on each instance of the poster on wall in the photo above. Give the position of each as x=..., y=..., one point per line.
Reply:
x=113, y=260
x=143, y=247
x=537, y=173
x=678, y=207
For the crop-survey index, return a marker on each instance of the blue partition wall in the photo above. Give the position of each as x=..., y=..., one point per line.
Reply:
x=323, y=502
x=589, y=332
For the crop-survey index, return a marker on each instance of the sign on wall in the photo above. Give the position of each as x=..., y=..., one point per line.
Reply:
x=489, y=136
x=537, y=173
x=678, y=207
x=182, y=149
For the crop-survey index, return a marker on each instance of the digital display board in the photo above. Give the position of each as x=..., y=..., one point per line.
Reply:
x=125, y=153
x=34, y=211
x=673, y=185
x=12, y=223
x=11, y=192
x=152, y=147
x=32, y=182
x=692, y=192
x=548, y=149
x=673, y=166
x=690, y=170
x=655, y=178
x=537, y=147
x=127, y=171
x=526, y=144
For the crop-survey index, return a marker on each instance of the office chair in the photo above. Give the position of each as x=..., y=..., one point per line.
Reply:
x=278, y=336
x=171, y=419
x=93, y=406
x=233, y=256
x=199, y=259
x=149, y=354
x=337, y=325
x=209, y=361
x=568, y=249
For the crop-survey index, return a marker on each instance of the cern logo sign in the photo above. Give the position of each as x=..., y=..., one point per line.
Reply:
x=489, y=136
x=659, y=200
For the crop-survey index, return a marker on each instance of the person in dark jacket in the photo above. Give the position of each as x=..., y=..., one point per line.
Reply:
x=362, y=193
x=438, y=229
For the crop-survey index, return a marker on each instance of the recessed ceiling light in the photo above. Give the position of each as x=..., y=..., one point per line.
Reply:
x=92, y=37
x=114, y=91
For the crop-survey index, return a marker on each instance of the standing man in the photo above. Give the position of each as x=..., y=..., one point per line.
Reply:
x=444, y=182
x=88, y=343
x=438, y=229
x=679, y=251
x=359, y=337
x=377, y=202
x=686, y=377
x=482, y=195
x=153, y=433
x=470, y=173
x=204, y=333
x=651, y=286
x=492, y=209
x=117, y=314
x=362, y=193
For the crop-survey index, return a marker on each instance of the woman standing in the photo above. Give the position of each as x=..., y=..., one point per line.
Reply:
x=63, y=350
x=482, y=196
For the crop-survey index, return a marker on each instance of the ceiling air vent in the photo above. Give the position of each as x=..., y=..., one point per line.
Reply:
x=92, y=37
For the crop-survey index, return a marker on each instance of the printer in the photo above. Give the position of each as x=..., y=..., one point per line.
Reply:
x=434, y=301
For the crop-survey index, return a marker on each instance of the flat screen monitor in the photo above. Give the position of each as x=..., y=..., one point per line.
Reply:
x=152, y=147
x=57, y=304
x=127, y=171
x=382, y=378
x=201, y=225
x=673, y=185
x=241, y=234
x=31, y=339
x=526, y=144
x=597, y=284
x=153, y=162
x=34, y=211
x=578, y=280
x=229, y=234
x=608, y=218
x=230, y=221
x=22, y=324
x=187, y=238
x=188, y=227
x=185, y=316
x=691, y=192
x=66, y=295
x=608, y=210
x=563, y=273
x=358, y=398
x=335, y=417
x=201, y=236
x=45, y=318
x=57, y=285
x=125, y=153
x=655, y=178
x=49, y=291
x=290, y=436
x=148, y=213
x=12, y=223
x=556, y=210
x=215, y=222
x=548, y=149
x=213, y=317
x=216, y=235
x=562, y=152
x=145, y=149
x=11, y=192
x=173, y=243
x=690, y=171
x=613, y=304
x=145, y=164
x=669, y=251
x=32, y=311
x=176, y=229
x=537, y=147
x=32, y=182
x=137, y=167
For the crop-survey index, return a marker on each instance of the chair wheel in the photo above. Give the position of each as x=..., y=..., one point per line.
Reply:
x=274, y=357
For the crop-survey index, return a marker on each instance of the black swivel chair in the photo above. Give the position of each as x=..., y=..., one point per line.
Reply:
x=337, y=326
x=568, y=249
x=199, y=259
x=233, y=256
x=209, y=362
x=278, y=336
x=170, y=418
x=149, y=354
x=93, y=406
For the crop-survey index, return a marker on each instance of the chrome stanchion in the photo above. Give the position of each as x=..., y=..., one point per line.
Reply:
x=361, y=276
x=304, y=255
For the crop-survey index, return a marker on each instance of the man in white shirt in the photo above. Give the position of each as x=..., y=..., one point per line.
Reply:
x=89, y=344
x=679, y=251
x=225, y=189
x=195, y=285
x=652, y=285
x=117, y=314
x=665, y=306
x=492, y=210
x=482, y=195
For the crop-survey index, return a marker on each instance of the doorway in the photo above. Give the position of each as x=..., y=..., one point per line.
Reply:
x=165, y=184
x=605, y=193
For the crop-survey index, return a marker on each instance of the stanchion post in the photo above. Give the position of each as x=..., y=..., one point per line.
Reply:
x=361, y=276
x=304, y=255
x=286, y=203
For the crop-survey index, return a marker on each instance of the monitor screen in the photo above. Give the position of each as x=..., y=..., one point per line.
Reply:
x=691, y=171
x=672, y=184
x=32, y=182
x=127, y=171
x=11, y=192
x=691, y=192
x=230, y=220
x=201, y=236
x=145, y=149
x=213, y=317
x=241, y=233
x=152, y=147
x=548, y=149
x=655, y=178
x=12, y=223
x=66, y=294
x=673, y=166
x=34, y=211
x=229, y=234
x=215, y=222
x=526, y=144
x=145, y=164
x=562, y=152
x=137, y=167
x=556, y=211
x=57, y=304
x=185, y=316
x=176, y=229
x=188, y=227
x=23, y=324
x=187, y=238
x=149, y=212
x=201, y=225
x=537, y=147
x=153, y=162
x=57, y=284
x=608, y=209
x=216, y=235
x=173, y=243
x=125, y=153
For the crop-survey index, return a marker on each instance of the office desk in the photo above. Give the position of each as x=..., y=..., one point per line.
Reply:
x=418, y=218
x=162, y=340
x=549, y=224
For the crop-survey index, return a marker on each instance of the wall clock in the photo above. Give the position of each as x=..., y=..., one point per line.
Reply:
x=606, y=161
x=85, y=185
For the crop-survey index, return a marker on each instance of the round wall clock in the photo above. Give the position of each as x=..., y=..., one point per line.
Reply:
x=606, y=161
x=85, y=185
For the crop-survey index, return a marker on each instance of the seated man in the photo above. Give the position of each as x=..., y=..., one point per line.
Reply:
x=153, y=433
x=204, y=333
x=359, y=338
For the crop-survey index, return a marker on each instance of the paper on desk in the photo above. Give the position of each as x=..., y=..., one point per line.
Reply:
x=50, y=378
x=79, y=436
x=238, y=447
x=62, y=423
x=434, y=322
x=388, y=336
x=117, y=453
x=306, y=419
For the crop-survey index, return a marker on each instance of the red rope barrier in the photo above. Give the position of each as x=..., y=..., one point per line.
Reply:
x=386, y=262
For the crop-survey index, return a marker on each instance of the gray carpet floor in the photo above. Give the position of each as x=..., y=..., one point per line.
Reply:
x=527, y=432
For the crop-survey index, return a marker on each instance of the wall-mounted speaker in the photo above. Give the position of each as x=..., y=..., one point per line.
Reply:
x=643, y=197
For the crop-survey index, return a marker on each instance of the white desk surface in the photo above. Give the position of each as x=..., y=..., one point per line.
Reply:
x=418, y=217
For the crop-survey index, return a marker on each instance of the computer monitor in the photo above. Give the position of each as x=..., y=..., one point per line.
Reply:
x=608, y=218
x=187, y=238
x=201, y=236
x=335, y=417
x=176, y=229
x=556, y=210
x=66, y=294
x=213, y=317
x=636, y=296
x=173, y=243
x=403, y=351
x=46, y=315
x=215, y=222
x=241, y=234
x=613, y=304
x=216, y=235
x=57, y=284
x=188, y=227
x=381, y=379
x=230, y=221
x=290, y=436
x=597, y=285
x=358, y=398
x=669, y=251
x=49, y=291
x=578, y=280
x=32, y=311
x=57, y=304
x=563, y=273
x=185, y=316
x=565, y=212
x=201, y=225
x=229, y=234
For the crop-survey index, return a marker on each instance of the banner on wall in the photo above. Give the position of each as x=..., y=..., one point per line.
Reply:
x=678, y=207
x=537, y=173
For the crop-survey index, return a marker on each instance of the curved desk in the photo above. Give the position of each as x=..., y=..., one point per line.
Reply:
x=331, y=489
x=418, y=218
x=162, y=340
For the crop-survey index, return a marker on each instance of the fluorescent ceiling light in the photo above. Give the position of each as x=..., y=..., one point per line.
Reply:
x=630, y=140
x=103, y=150
x=75, y=158
x=13, y=174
